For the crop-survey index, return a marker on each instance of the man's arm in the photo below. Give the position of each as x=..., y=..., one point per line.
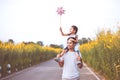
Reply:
x=80, y=65
x=61, y=63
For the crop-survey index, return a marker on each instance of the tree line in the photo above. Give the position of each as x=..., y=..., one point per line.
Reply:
x=81, y=41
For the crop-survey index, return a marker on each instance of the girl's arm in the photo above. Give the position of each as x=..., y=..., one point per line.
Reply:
x=63, y=34
x=76, y=38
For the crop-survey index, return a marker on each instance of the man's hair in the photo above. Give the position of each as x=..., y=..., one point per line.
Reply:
x=71, y=38
x=75, y=28
x=67, y=40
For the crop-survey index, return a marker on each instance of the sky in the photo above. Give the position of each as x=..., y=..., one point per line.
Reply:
x=37, y=20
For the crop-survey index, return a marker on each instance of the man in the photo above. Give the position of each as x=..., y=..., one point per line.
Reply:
x=70, y=62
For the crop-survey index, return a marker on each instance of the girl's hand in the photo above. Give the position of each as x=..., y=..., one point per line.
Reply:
x=72, y=40
x=60, y=28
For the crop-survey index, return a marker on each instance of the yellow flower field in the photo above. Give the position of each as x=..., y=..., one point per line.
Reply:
x=103, y=54
x=15, y=57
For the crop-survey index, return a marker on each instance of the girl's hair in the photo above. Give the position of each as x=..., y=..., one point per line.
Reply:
x=75, y=28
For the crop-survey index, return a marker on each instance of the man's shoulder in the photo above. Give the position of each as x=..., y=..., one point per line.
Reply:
x=71, y=51
x=68, y=53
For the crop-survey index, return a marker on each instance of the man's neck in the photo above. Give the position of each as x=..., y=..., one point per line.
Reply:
x=71, y=50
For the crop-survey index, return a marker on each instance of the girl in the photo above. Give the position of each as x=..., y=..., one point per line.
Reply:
x=72, y=33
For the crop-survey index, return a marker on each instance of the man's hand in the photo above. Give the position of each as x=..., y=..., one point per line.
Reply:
x=61, y=63
x=80, y=65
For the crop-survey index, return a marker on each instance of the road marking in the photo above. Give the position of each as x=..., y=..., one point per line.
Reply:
x=92, y=72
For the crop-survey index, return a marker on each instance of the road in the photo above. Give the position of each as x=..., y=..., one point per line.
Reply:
x=49, y=70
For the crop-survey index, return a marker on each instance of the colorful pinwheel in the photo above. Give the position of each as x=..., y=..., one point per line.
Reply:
x=60, y=11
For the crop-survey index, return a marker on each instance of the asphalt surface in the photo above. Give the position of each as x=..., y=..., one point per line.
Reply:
x=50, y=70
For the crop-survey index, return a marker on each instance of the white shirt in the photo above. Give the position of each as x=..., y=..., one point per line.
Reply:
x=70, y=68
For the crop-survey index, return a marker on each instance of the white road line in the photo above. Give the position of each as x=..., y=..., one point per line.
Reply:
x=92, y=72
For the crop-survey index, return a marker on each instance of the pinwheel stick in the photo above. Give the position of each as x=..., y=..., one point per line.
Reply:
x=60, y=21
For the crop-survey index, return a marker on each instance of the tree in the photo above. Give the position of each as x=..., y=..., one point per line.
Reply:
x=40, y=43
x=56, y=46
x=84, y=40
x=11, y=41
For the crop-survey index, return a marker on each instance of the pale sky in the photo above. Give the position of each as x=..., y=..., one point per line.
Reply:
x=37, y=20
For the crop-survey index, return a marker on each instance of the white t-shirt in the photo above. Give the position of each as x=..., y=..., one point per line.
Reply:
x=70, y=68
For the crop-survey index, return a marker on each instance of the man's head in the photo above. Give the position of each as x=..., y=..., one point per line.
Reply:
x=71, y=43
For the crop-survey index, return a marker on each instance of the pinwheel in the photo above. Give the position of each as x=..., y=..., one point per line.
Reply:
x=60, y=11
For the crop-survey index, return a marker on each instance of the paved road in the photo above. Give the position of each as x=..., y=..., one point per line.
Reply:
x=49, y=70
